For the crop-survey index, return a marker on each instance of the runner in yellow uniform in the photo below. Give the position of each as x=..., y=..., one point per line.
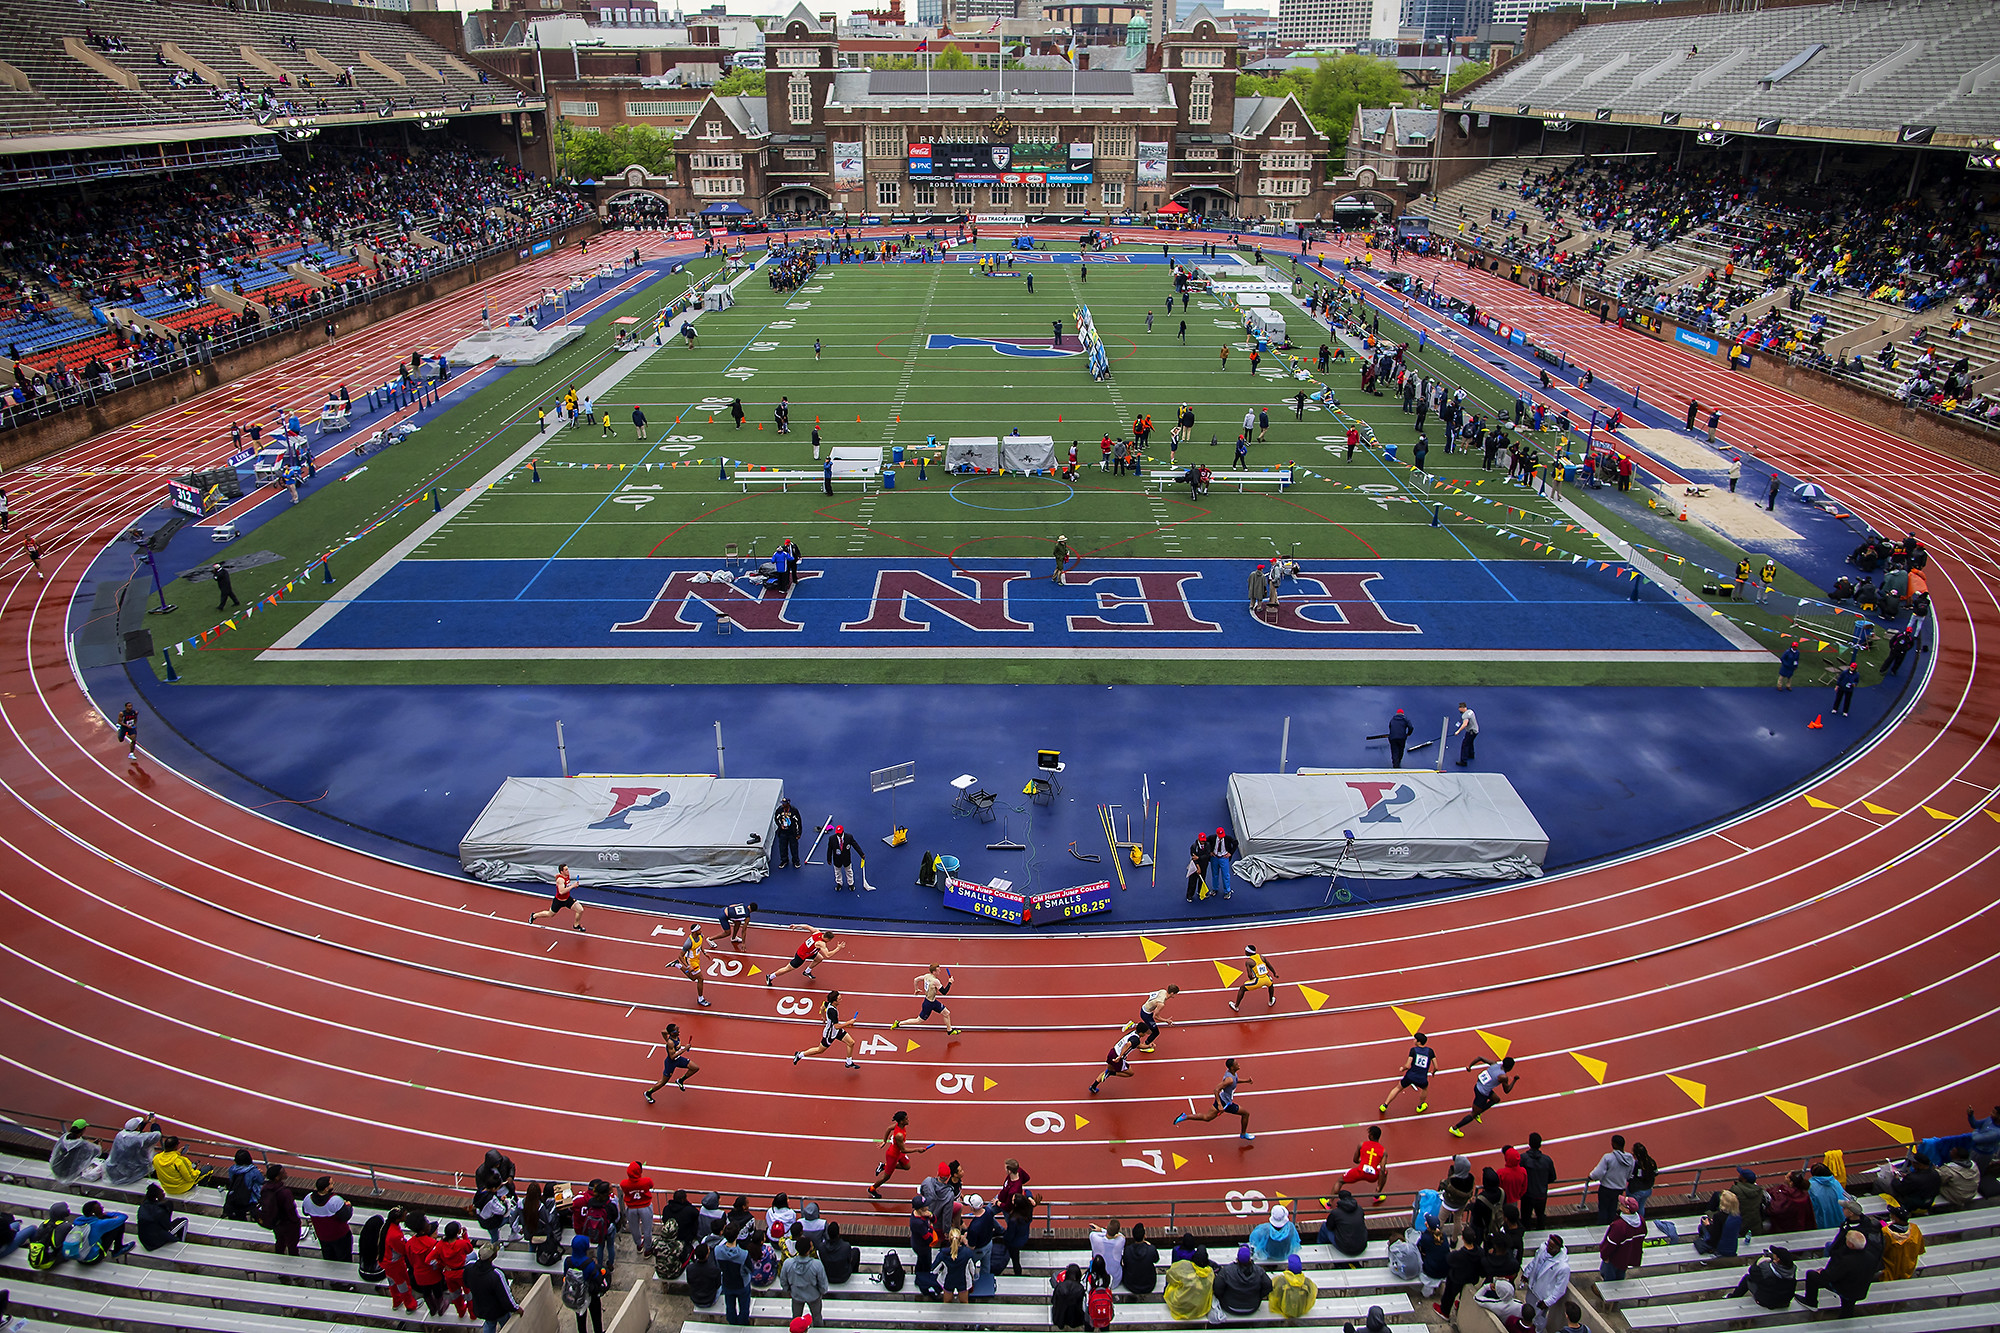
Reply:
x=1256, y=974
x=692, y=961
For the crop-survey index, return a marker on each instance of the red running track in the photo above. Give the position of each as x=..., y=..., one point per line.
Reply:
x=170, y=950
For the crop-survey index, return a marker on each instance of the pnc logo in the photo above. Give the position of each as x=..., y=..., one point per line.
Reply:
x=625, y=803
x=1382, y=799
x=945, y=342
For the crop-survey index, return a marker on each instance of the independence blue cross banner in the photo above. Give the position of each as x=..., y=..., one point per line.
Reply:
x=1008, y=608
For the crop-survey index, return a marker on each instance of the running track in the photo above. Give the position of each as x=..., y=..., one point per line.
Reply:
x=169, y=950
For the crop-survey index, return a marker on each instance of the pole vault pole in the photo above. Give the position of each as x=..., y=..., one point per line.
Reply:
x=1444, y=731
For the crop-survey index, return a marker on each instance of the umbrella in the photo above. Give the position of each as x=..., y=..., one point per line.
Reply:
x=1808, y=491
x=1173, y=208
x=725, y=209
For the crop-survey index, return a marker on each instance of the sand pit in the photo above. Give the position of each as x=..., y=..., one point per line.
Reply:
x=1682, y=450
x=1739, y=517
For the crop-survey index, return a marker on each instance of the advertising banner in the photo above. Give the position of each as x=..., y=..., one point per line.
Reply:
x=846, y=166
x=1152, y=165
x=1699, y=341
x=1081, y=154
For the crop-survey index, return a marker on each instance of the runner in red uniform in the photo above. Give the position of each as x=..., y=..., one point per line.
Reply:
x=1371, y=1164
x=816, y=949
x=895, y=1151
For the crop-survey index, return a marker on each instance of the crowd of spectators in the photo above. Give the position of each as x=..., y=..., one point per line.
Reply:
x=1468, y=1237
x=1855, y=231
x=174, y=237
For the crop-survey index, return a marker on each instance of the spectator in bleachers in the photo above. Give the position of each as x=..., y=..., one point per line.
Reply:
x=492, y=1299
x=635, y=1193
x=1749, y=1200
x=594, y=1216
x=1902, y=1246
x=1717, y=1235
x=685, y=1217
x=426, y=1267
x=1790, y=1207
x=1345, y=1228
x=1546, y=1277
x=595, y=1282
x=105, y=1231
x=329, y=1215
x=73, y=1155
x=1276, y=1237
x=1916, y=1183
x=1241, y=1287
x=704, y=1277
x=14, y=1234
x=1066, y=1298
x=1462, y=1270
x=1624, y=1241
x=1958, y=1179
x=1985, y=1134
x=1771, y=1281
x=805, y=1280
x=1854, y=1262
x=1497, y=1299
x=1827, y=1195
x=171, y=1167
x=733, y=1260
x=496, y=1169
x=1434, y=1252
x=453, y=1252
x=158, y=1227
x=244, y=1192
x=278, y=1211
x=131, y=1157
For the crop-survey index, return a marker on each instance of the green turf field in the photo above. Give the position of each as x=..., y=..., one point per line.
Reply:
x=874, y=383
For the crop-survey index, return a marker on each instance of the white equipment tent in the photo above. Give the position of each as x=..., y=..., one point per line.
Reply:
x=1267, y=324
x=980, y=452
x=651, y=830
x=1407, y=823
x=1027, y=453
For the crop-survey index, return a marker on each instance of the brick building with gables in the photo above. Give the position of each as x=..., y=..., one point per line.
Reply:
x=1163, y=125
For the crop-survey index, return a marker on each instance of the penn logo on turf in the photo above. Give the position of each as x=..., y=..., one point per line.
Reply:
x=945, y=342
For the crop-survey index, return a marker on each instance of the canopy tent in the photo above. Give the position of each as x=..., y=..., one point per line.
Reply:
x=1404, y=823
x=978, y=452
x=657, y=831
x=1027, y=453
x=1175, y=209
x=725, y=208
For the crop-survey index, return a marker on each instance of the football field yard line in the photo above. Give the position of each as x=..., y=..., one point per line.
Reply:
x=424, y=531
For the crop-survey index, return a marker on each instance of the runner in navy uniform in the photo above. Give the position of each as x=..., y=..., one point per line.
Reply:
x=736, y=920
x=1417, y=1068
x=676, y=1058
x=830, y=1032
x=1225, y=1102
x=128, y=729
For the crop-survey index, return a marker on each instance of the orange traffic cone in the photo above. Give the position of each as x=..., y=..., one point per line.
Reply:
x=1684, y=509
x=1816, y=724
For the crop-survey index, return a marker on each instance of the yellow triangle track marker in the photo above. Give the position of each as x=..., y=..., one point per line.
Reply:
x=1900, y=1133
x=1153, y=948
x=1697, y=1091
x=1594, y=1068
x=1230, y=975
x=1081, y=1122
x=1497, y=1044
x=1875, y=809
x=1792, y=1109
x=913, y=1046
x=1817, y=804
x=1938, y=814
x=1179, y=1161
x=1412, y=1023
x=990, y=1084
x=755, y=970
x=1314, y=999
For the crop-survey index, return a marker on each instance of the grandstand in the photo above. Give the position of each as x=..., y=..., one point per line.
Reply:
x=121, y=65
x=1868, y=69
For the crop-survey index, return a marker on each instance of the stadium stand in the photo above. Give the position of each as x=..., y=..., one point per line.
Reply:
x=227, y=1275
x=1866, y=66
x=124, y=63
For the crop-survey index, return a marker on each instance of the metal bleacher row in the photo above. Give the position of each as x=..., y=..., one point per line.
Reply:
x=225, y=1278
x=1884, y=63
x=67, y=95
